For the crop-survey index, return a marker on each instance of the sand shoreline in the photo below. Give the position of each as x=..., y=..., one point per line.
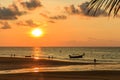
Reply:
x=8, y=63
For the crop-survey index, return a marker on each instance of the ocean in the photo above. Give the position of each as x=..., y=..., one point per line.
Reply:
x=109, y=55
x=100, y=53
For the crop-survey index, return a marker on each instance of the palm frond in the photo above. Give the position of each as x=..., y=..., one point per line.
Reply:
x=111, y=6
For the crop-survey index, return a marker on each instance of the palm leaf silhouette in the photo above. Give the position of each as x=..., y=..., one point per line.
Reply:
x=111, y=6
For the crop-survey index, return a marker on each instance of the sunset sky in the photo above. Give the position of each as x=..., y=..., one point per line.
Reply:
x=63, y=22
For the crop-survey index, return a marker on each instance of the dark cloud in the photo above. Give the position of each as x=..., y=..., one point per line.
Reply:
x=10, y=13
x=51, y=21
x=72, y=10
x=21, y=23
x=44, y=15
x=29, y=23
x=83, y=9
x=31, y=4
x=5, y=25
x=86, y=11
x=58, y=17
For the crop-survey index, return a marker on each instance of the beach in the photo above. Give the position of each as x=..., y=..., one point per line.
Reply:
x=59, y=40
x=9, y=64
x=78, y=75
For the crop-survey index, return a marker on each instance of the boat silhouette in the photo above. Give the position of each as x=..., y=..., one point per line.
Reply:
x=76, y=56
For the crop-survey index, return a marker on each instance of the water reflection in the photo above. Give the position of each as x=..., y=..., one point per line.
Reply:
x=36, y=69
x=36, y=57
x=63, y=68
x=37, y=53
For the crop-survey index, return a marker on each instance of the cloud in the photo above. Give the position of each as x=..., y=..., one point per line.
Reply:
x=87, y=12
x=29, y=23
x=82, y=9
x=51, y=21
x=58, y=17
x=72, y=10
x=5, y=25
x=10, y=13
x=44, y=15
x=31, y=4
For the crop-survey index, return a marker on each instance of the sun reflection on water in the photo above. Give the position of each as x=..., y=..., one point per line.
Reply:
x=36, y=53
x=36, y=58
x=36, y=69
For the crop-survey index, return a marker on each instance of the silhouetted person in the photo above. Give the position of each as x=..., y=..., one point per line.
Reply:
x=14, y=55
x=95, y=60
x=49, y=57
x=60, y=51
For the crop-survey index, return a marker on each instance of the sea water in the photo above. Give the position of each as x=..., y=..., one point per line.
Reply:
x=109, y=55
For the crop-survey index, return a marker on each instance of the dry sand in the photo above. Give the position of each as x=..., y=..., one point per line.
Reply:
x=80, y=75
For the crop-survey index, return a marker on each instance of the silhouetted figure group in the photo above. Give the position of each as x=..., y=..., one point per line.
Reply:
x=13, y=55
x=50, y=57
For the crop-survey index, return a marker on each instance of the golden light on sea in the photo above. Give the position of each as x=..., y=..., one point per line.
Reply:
x=36, y=58
x=36, y=69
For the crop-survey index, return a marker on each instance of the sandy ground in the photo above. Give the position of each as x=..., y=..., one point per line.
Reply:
x=7, y=63
x=81, y=75
x=17, y=63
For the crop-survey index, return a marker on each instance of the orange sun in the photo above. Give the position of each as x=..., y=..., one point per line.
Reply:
x=37, y=32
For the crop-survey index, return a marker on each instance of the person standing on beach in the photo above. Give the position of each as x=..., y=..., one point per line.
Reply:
x=14, y=55
x=60, y=51
x=95, y=60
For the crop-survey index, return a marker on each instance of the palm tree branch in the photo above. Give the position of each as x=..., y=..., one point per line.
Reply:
x=106, y=5
x=117, y=7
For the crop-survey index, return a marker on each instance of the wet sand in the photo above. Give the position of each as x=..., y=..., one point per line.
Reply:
x=80, y=75
x=7, y=63
x=17, y=63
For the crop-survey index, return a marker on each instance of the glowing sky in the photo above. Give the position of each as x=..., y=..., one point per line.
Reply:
x=63, y=22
